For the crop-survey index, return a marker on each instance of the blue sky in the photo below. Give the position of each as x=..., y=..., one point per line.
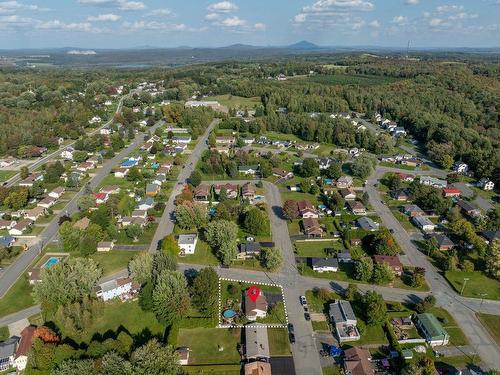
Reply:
x=200, y=23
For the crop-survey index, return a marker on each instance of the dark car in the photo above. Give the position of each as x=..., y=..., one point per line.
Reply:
x=291, y=337
x=290, y=328
x=307, y=316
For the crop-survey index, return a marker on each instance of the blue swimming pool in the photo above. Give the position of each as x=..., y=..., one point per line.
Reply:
x=229, y=313
x=51, y=261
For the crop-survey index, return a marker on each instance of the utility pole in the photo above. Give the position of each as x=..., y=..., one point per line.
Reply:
x=463, y=285
x=407, y=50
x=482, y=295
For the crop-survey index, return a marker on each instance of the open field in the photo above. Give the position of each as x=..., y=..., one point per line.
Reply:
x=316, y=248
x=5, y=175
x=350, y=79
x=17, y=298
x=232, y=101
x=113, y=261
x=477, y=284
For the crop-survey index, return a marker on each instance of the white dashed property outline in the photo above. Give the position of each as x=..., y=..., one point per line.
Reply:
x=264, y=325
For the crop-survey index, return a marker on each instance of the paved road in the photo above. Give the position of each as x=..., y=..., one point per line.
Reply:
x=465, y=316
x=39, y=162
x=166, y=225
x=12, y=273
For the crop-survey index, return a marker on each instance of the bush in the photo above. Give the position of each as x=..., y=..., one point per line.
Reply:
x=467, y=266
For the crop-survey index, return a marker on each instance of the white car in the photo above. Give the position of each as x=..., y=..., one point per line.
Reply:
x=303, y=300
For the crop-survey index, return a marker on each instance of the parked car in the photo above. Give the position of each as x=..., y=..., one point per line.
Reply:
x=307, y=316
x=291, y=337
x=303, y=300
x=290, y=328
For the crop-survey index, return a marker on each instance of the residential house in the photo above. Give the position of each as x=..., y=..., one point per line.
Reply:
x=181, y=139
x=82, y=224
x=34, y=213
x=345, y=322
x=110, y=189
x=431, y=329
x=357, y=362
x=356, y=207
x=57, y=192
x=202, y=192
x=67, y=153
x=344, y=256
x=411, y=162
x=23, y=348
x=225, y=140
x=491, y=236
x=366, y=223
x=468, y=209
x=6, y=224
x=183, y=354
x=152, y=190
x=486, y=184
x=460, y=167
x=348, y=194
x=249, y=250
x=158, y=180
x=223, y=149
x=140, y=213
x=257, y=343
x=328, y=190
x=47, y=202
x=405, y=177
x=400, y=195
x=391, y=260
x=187, y=243
x=146, y=204
x=129, y=163
x=282, y=173
x=256, y=308
x=105, y=246
x=231, y=190
x=122, y=288
x=412, y=210
x=434, y=182
x=324, y=163
x=423, y=223
x=325, y=264
x=443, y=242
x=7, y=241
x=101, y=198
x=399, y=131
x=307, y=210
x=344, y=182
x=248, y=141
x=451, y=192
x=248, y=169
x=31, y=179
x=248, y=191
x=312, y=228
x=8, y=350
x=121, y=172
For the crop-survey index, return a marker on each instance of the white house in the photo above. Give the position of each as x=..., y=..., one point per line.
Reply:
x=486, y=184
x=423, y=223
x=47, y=202
x=20, y=227
x=67, y=154
x=107, y=103
x=187, y=243
x=324, y=264
x=116, y=288
x=121, y=172
x=57, y=192
x=105, y=246
x=23, y=349
x=460, y=167
x=248, y=169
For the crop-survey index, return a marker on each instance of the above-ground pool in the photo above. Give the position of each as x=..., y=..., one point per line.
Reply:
x=229, y=313
x=51, y=261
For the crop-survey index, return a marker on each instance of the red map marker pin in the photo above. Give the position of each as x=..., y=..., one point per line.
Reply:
x=253, y=293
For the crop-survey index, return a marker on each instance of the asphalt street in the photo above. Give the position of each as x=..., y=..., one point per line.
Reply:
x=14, y=271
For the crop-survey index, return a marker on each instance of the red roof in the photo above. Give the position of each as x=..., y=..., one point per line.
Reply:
x=451, y=191
x=101, y=196
x=26, y=339
x=391, y=260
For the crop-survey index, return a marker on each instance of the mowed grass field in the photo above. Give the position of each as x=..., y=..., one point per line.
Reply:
x=492, y=323
x=232, y=101
x=5, y=175
x=477, y=284
x=350, y=79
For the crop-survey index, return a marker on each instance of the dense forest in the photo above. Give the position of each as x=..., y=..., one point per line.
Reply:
x=450, y=107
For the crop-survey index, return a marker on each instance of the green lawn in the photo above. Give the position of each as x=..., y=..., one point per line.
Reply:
x=144, y=239
x=213, y=369
x=35, y=231
x=335, y=370
x=349, y=79
x=320, y=326
x=5, y=175
x=4, y=333
x=202, y=255
x=399, y=166
x=293, y=227
x=116, y=314
x=112, y=180
x=17, y=298
x=298, y=196
x=373, y=334
x=113, y=261
x=233, y=101
x=492, y=324
x=205, y=345
x=477, y=284
x=278, y=342
x=315, y=248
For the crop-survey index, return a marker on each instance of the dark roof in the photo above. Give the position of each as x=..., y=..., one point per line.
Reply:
x=442, y=240
x=491, y=235
x=466, y=206
x=324, y=262
x=6, y=241
x=251, y=247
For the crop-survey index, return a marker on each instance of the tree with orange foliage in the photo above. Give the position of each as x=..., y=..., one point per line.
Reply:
x=46, y=335
x=185, y=196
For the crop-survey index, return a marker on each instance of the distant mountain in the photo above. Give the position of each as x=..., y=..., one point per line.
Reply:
x=240, y=46
x=304, y=45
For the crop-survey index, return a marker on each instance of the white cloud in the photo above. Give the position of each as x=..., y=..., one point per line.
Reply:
x=119, y=4
x=331, y=5
x=212, y=16
x=300, y=18
x=232, y=22
x=159, y=26
x=164, y=12
x=449, y=8
x=222, y=7
x=412, y=2
x=259, y=26
x=104, y=18
x=375, y=24
x=463, y=16
x=73, y=26
x=400, y=20
x=7, y=7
